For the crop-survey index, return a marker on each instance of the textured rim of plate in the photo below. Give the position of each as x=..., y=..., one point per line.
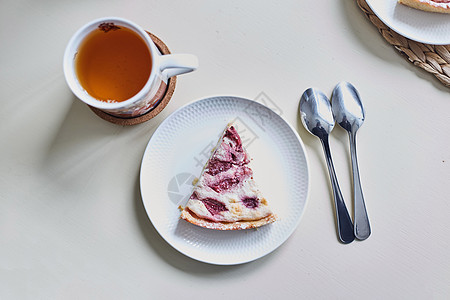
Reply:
x=292, y=229
x=391, y=24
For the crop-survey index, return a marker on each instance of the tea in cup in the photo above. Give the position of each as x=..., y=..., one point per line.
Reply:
x=113, y=65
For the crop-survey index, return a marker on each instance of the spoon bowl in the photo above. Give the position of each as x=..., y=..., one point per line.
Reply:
x=315, y=112
x=317, y=118
x=347, y=107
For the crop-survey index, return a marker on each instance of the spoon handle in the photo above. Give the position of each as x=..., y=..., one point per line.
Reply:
x=362, y=226
x=344, y=222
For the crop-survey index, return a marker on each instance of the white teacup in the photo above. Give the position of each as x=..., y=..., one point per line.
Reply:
x=162, y=68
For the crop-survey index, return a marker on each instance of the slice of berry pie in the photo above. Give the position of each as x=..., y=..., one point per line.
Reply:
x=441, y=6
x=226, y=196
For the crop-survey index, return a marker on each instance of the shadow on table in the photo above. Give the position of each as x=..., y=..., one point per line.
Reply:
x=374, y=42
x=76, y=143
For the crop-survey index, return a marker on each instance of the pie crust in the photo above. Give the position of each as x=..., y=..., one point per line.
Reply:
x=191, y=217
x=440, y=6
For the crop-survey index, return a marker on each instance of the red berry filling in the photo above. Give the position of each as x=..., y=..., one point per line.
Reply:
x=233, y=151
x=216, y=166
x=213, y=206
x=225, y=184
x=250, y=202
x=228, y=180
x=232, y=134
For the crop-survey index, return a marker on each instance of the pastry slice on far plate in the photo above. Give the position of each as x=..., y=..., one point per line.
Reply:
x=226, y=196
x=440, y=6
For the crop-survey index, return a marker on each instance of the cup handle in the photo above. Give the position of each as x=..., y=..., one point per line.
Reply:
x=176, y=64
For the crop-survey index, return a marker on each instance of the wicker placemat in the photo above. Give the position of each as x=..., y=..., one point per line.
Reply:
x=434, y=59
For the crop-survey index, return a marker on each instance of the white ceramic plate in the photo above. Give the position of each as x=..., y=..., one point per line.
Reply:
x=417, y=25
x=176, y=153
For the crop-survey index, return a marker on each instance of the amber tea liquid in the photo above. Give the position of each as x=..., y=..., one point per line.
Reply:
x=113, y=65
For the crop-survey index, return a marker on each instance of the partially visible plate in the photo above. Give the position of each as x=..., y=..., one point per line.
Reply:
x=417, y=25
x=177, y=152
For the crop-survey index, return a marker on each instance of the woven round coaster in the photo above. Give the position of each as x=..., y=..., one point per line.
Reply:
x=434, y=59
x=162, y=104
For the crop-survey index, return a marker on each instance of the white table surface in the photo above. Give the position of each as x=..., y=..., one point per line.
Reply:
x=72, y=222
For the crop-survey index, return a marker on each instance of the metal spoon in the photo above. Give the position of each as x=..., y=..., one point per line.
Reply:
x=349, y=114
x=316, y=116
